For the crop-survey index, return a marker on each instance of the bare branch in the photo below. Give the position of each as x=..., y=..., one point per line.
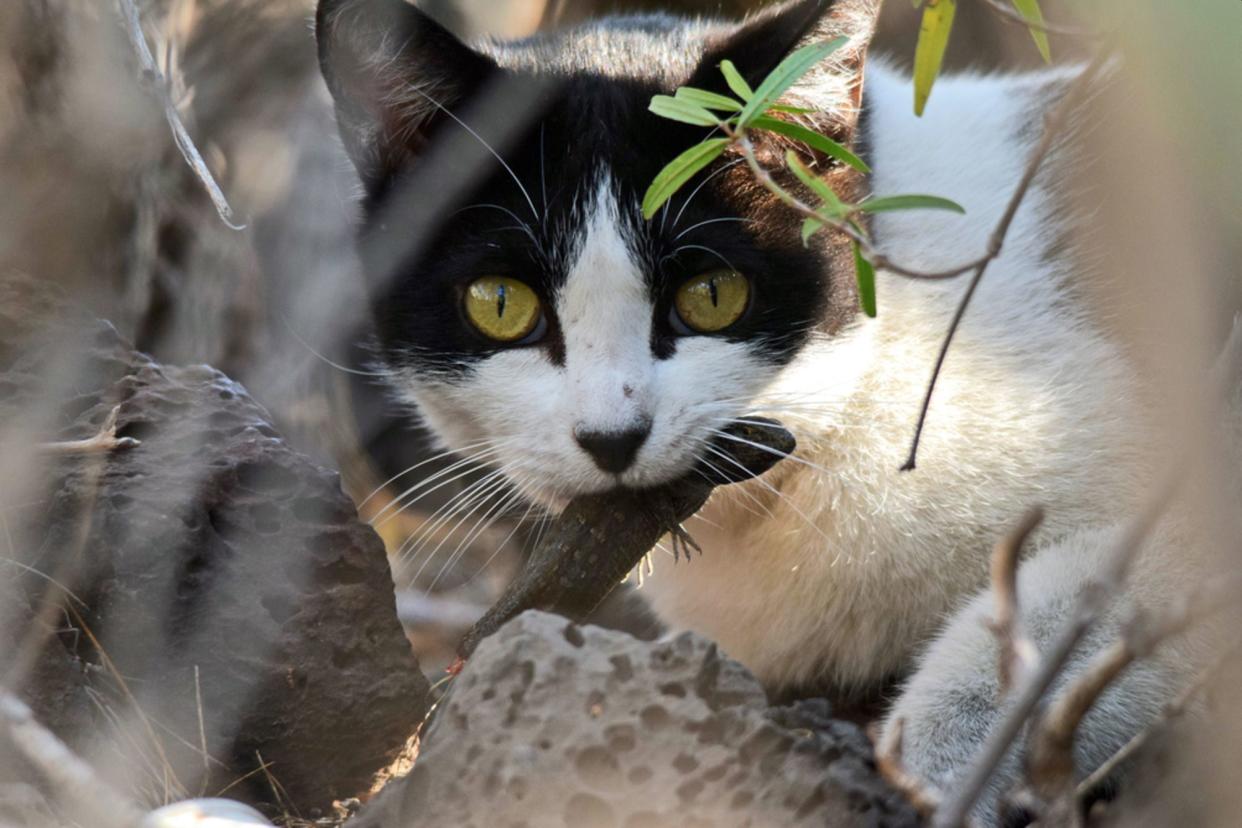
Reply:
x=104, y=441
x=888, y=761
x=1054, y=124
x=1017, y=656
x=1171, y=712
x=1091, y=602
x=68, y=775
x=151, y=72
x=1050, y=757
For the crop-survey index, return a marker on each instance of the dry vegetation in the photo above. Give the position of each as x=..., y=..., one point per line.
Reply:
x=192, y=197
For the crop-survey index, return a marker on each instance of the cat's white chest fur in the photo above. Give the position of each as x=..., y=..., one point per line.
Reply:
x=837, y=567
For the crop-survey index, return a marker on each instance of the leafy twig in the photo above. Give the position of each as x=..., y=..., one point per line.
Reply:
x=1092, y=600
x=151, y=72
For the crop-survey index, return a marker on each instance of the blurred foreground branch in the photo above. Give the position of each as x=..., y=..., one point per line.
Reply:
x=151, y=73
x=73, y=781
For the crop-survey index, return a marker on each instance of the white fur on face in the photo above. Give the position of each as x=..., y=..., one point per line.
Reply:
x=529, y=407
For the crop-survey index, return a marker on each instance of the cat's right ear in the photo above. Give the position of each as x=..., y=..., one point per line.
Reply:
x=392, y=72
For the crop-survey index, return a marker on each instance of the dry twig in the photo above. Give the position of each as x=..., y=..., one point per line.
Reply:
x=1017, y=656
x=1054, y=125
x=1093, y=599
x=1172, y=711
x=104, y=441
x=1050, y=754
x=151, y=73
x=71, y=778
x=888, y=762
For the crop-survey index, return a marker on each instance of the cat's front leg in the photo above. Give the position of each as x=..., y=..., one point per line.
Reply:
x=953, y=699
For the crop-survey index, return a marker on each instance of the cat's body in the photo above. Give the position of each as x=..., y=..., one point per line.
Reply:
x=836, y=570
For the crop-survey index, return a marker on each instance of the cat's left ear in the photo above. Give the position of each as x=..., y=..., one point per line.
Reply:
x=760, y=43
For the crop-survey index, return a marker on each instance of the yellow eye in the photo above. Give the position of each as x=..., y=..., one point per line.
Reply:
x=713, y=301
x=503, y=309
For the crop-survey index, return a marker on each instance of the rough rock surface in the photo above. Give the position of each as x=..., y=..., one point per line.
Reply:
x=553, y=724
x=223, y=589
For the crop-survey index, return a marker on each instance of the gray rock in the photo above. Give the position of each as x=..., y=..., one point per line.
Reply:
x=223, y=587
x=553, y=724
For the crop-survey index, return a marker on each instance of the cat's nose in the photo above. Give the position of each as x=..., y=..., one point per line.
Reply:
x=613, y=451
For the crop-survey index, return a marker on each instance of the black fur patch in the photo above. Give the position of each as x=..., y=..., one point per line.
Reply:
x=443, y=209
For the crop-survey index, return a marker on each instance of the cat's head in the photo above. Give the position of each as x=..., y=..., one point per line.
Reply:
x=521, y=300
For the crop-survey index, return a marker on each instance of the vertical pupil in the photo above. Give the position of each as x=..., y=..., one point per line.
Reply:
x=711, y=286
x=500, y=300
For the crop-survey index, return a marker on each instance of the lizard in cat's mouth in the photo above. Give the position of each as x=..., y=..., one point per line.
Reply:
x=599, y=538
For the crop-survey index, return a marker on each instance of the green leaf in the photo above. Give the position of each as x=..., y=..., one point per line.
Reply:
x=1030, y=10
x=810, y=227
x=707, y=100
x=833, y=205
x=812, y=139
x=680, y=170
x=864, y=273
x=735, y=80
x=785, y=75
x=909, y=202
x=929, y=54
x=684, y=111
x=793, y=110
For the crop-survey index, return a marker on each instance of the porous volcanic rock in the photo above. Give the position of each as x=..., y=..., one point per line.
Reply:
x=223, y=589
x=554, y=724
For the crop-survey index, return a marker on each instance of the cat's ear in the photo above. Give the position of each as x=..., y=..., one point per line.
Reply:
x=760, y=43
x=392, y=70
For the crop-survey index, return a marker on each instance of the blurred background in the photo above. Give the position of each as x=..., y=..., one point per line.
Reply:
x=95, y=198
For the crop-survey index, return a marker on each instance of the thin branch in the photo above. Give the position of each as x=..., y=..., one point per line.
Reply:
x=1012, y=15
x=102, y=442
x=1017, y=655
x=151, y=72
x=68, y=776
x=892, y=769
x=1172, y=711
x=1091, y=601
x=1050, y=757
x=1053, y=126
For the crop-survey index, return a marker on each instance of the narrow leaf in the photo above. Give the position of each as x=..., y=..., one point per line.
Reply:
x=909, y=202
x=810, y=227
x=735, y=80
x=683, y=111
x=785, y=75
x=707, y=100
x=812, y=139
x=929, y=54
x=864, y=273
x=833, y=205
x=793, y=110
x=680, y=170
x=1030, y=10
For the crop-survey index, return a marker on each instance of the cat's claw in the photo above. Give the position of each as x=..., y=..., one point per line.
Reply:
x=682, y=540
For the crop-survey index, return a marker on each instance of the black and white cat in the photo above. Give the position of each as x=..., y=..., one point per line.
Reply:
x=541, y=325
